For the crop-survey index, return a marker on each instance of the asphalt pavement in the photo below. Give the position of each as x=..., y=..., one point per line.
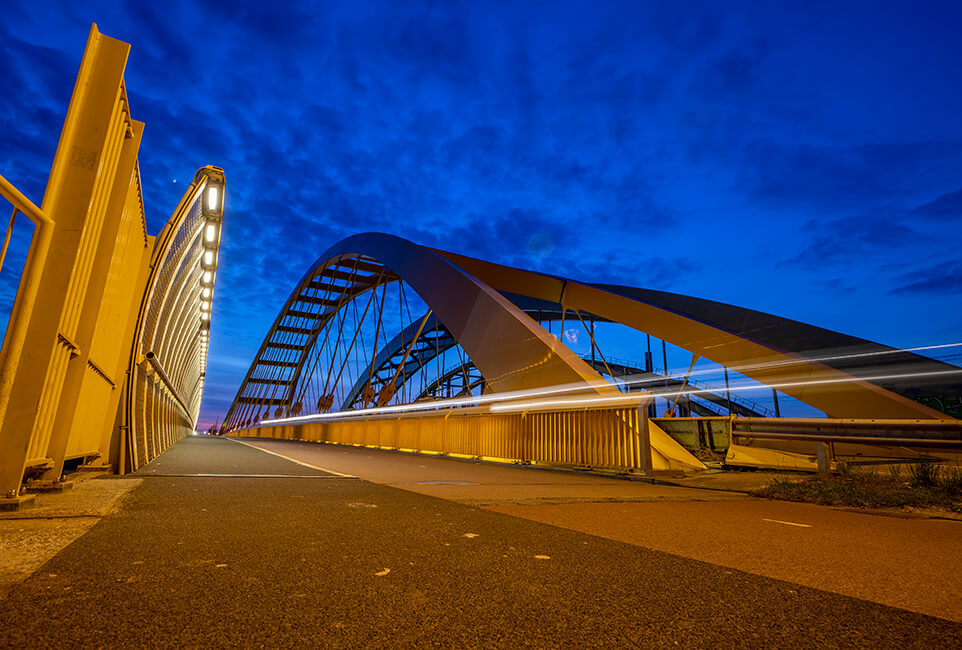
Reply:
x=263, y=552
x=910, y=562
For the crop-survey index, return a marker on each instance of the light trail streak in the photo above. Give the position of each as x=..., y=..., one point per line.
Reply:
x=433, y=405
x=556, y=390
x=588, y=401
x=770, y=365
x=505, y=402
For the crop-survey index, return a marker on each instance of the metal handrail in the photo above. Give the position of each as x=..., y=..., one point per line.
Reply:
x=27, y=293
x=22, y=203
x=159, y=369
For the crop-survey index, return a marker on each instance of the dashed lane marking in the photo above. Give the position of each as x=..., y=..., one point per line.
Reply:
x=787, y=523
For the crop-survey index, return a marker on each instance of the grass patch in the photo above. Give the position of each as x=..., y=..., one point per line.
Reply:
x=921, y=485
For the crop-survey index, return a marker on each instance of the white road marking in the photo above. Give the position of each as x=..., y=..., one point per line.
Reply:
x=470, y=535
x=311, y=476
x=446, y=483
x=787, y=523
x=293, y=460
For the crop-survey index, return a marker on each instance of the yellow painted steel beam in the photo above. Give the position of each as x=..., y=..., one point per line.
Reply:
x=87, y=404
x=511, y=350
x=88, y=290
x=35, y=363
x=833, y=391
x=26, y=293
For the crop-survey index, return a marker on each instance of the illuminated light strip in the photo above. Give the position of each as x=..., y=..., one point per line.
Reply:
x=758, y=366
x=627, y=399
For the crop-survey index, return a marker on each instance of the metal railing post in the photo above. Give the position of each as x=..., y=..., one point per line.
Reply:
x=644, y=437
x=11, y=464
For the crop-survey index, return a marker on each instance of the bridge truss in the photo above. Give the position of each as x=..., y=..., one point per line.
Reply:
x=379, y=322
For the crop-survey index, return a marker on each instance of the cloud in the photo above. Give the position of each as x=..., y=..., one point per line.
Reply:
x=837, y=285
x=659, y=146
x=31, y=118
x=852, y=240
x=833, y=178
x=947, y=207
x=435, y=43
x=943, y=279
x=685, y=30
x=628, y=268
x=735, y=73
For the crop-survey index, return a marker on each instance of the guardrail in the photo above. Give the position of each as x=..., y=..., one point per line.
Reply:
x=60, y=363
x=168, y=355
x=919, y=432
x=620, y=438
x=617, y=439
x=808, y=444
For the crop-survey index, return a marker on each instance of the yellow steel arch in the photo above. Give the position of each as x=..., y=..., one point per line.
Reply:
x=513, y=352
x=843, y=376
x=829, y=380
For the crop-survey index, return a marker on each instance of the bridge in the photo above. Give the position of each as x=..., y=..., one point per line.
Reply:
x=476, y=368
x=387, y=343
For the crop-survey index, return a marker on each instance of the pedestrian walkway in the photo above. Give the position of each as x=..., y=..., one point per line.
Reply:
x=225, y=545
x=908, y=563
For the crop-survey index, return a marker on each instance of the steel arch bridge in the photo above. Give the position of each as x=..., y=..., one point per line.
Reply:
x=387, y=343
x=376, y=321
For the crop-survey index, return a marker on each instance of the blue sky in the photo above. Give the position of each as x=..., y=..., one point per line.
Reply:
x=800, y=158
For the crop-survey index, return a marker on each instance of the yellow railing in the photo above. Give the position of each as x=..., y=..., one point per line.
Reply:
x=91, y=277
x=60, y=366
x=613, y=438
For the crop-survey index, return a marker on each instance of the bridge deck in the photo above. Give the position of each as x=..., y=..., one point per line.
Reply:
x=291, y=556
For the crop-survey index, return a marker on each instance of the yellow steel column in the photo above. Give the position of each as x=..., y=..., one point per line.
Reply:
x=85, y=398
x=70, y=190
x=116, y=438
